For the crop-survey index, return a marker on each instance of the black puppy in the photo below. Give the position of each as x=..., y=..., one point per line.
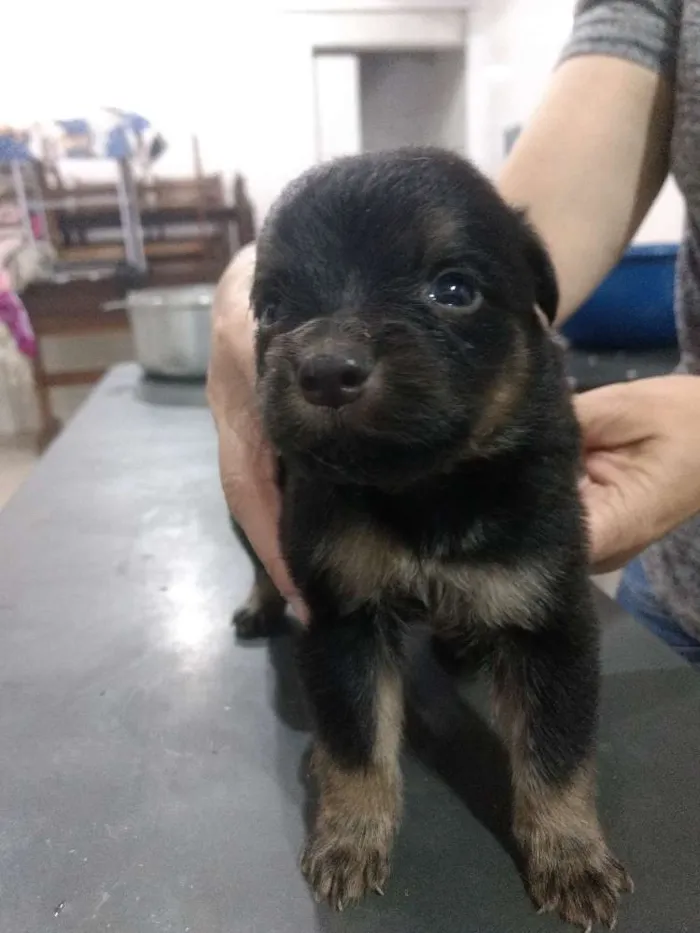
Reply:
x=430, y=457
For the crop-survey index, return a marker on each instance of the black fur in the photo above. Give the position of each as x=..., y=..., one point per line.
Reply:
x=462, y=455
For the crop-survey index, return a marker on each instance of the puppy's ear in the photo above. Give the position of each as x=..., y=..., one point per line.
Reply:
x=546, y=287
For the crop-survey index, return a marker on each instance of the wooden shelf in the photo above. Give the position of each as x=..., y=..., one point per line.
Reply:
x=157, y=250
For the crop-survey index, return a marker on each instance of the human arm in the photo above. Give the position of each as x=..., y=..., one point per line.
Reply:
x=594, y=156
x=587, y=168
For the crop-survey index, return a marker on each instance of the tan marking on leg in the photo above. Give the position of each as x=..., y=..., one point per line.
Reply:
x=358, y=811
x=570, y=868
x=389, y=711
x=540, y=810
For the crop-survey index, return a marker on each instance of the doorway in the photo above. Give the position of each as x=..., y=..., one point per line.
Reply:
x=372, y=100
x=412, y=99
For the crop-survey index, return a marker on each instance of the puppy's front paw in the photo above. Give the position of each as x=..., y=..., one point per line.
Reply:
x=342, y=870
x=584, y=885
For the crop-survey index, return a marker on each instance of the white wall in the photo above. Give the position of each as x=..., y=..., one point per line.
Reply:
x=238, y=74
x=372, y=5
x=337, y=87
x=432, y=28
x=412, y=98
x=664, y=222
x=229, y=72
x=513, y=45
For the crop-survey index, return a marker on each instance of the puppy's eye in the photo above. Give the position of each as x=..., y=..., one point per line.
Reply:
x=454, y=289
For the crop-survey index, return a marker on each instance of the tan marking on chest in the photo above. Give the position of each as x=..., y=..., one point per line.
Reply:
x=369, y=566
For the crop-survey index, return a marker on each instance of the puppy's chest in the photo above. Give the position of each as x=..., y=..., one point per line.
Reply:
x=369, y=563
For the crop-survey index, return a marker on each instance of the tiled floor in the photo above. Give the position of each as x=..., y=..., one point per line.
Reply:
x=16, y=462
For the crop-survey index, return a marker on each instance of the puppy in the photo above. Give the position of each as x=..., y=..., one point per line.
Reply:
x=429, y=456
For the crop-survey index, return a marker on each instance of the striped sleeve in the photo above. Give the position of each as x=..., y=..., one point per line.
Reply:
x=642, y=31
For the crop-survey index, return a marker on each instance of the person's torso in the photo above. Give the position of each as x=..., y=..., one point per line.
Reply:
x=685, y=166
x=673, y=565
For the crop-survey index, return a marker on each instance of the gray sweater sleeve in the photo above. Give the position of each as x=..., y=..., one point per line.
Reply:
x=642, y=31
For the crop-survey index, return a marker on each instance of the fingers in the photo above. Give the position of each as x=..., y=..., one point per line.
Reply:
x=254, y=499
x=621, y=508
x=628, y=460
x=258, y=514
x=629, y=412
x=608, y=527
x=609, y=417
x=613, y=491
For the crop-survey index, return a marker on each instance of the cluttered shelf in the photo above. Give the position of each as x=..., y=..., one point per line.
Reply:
x=74, y=248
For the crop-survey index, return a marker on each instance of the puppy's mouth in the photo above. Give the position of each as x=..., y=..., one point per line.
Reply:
x=366, y=407
x=370, y=433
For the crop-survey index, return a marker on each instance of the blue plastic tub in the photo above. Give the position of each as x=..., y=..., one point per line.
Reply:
x=633, y=308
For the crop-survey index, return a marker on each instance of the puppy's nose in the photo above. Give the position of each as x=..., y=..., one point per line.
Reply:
x=333, y=379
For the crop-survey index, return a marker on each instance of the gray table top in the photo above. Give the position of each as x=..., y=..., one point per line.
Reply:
x=152, y=773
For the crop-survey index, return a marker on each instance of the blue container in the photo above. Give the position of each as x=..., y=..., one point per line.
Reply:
x=633, y=308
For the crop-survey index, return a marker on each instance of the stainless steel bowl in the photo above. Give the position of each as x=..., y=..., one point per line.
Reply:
x=171, y=329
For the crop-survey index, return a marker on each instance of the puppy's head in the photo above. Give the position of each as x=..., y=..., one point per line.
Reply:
x=396, y=300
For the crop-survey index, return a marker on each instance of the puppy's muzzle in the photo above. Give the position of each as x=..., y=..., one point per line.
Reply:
x=334, y=376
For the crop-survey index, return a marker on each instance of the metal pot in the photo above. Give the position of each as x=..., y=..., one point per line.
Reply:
x=171, y=329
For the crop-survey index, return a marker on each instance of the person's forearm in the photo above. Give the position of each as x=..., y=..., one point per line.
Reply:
x=589, y=166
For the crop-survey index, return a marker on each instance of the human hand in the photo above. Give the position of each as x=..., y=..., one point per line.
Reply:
x=642, y=455
x=246, y=461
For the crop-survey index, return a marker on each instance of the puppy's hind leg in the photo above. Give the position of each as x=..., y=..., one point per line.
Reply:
x=546, y=686
x=263, y=612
